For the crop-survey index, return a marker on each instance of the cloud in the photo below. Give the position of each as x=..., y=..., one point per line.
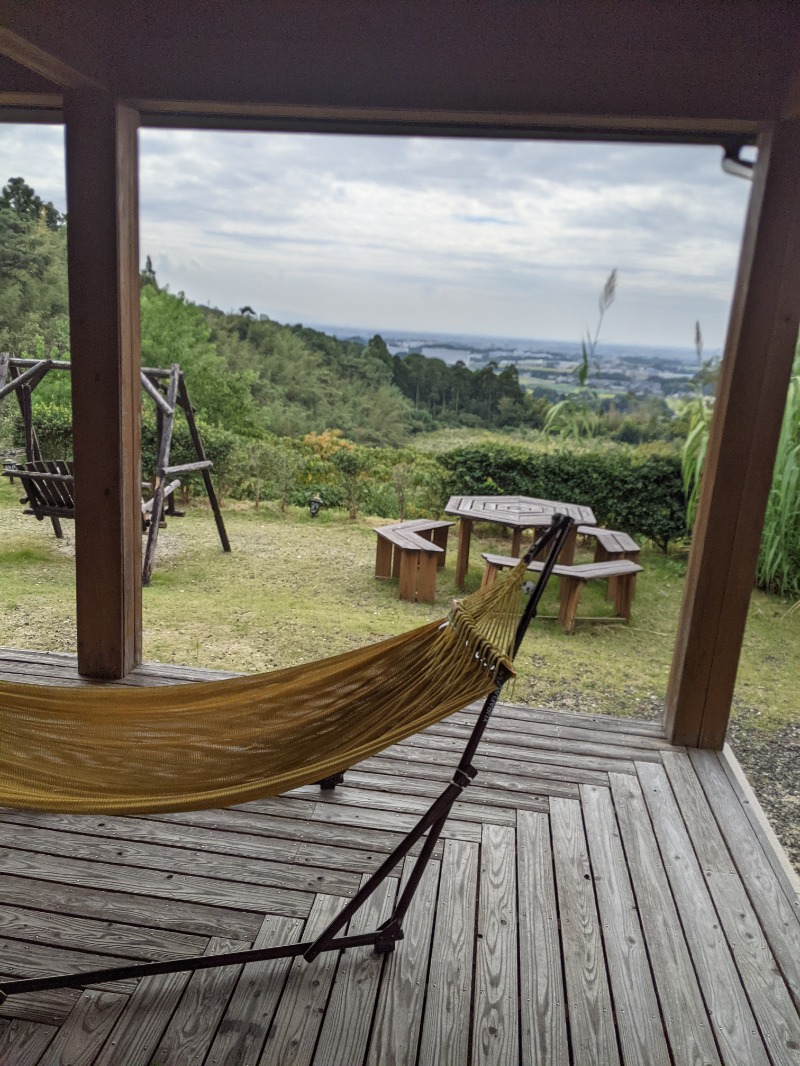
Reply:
x=498, y=237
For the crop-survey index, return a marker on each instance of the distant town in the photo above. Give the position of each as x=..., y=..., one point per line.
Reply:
x=549, y=367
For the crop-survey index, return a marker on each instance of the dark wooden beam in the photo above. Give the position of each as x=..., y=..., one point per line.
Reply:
x=103, y=263
x=758, y=358
x=686, y=60
x=48, y=66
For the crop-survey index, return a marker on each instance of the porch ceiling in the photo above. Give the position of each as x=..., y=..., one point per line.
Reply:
x=712, y=66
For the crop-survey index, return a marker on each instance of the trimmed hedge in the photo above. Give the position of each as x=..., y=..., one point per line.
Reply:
x=53, y=424
x=639, y=490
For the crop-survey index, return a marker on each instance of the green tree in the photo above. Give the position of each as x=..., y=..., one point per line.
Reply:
x=175, y=331
x=33, y=275
x=351, y=467
x=17, y=196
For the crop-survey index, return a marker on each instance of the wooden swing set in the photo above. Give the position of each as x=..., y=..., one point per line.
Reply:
x=49, y=484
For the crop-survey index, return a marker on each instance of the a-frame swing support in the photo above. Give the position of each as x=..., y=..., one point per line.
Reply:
x=22, y=383
x=21, y=376
x=430, y=826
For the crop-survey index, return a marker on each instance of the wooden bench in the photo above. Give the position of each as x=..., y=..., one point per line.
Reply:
x=611, y=544
x=572, y=579
x=412, y=551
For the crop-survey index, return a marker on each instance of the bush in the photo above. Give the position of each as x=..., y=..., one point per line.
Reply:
x=638, y=490
x=53, y=425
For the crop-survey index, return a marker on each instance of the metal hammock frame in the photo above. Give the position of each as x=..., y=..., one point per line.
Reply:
x=430, y=825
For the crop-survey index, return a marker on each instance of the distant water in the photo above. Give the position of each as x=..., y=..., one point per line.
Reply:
x=452, y=347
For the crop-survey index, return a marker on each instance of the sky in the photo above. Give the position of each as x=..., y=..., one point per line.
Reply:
x=501, y=238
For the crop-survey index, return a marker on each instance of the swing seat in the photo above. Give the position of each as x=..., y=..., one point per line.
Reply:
x=49, y=486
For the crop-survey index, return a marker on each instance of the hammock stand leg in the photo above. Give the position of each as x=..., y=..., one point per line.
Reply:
x=328, y=783
x=432, y=822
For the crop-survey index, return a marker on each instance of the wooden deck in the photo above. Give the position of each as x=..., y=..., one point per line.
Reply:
x=598, y=897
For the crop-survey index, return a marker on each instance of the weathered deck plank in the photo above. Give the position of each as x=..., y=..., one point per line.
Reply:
x=81, y=899
x=638, y=1021
x=192, y=1027
x=348, y=1016
x=149, y=856
x=688, y=1029
x=85, y=1031
x=591, y=1014
x=161, y=883
x=246, y=1022
x=543, y=1009
x=293, y=1035
x=143, y=1020
x=67, y=931
x=768, y=994
x=445, y=1029
x=495, y=1029
x=23, y=1043
x=765, y=890
x=398, y=1014
x=734, y=1024
x=565, y=917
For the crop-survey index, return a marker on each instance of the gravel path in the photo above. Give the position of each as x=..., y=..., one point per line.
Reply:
x=772, y=764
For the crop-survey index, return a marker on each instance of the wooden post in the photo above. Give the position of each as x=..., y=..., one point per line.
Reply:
x=751, y=397
x=439, y=538
x=462, y=559
x=188, y=410
x=103, y=264
x=426, y=577
x=567, y=555
x=164, y=427
x=409, y=562
x=383, y=559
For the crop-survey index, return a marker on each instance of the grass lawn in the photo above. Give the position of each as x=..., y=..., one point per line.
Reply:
x=296, y=589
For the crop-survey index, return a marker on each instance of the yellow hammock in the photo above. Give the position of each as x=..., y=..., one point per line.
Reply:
x=104, y=750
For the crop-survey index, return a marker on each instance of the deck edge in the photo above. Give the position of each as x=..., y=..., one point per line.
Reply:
x=773, y=849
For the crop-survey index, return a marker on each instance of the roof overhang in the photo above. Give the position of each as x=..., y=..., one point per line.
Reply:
x=707, y=70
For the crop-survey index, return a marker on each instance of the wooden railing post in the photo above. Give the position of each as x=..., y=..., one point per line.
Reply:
x=751, y=396
x=103, y=262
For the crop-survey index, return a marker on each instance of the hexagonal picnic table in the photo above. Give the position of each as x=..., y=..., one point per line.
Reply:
x=516, y=512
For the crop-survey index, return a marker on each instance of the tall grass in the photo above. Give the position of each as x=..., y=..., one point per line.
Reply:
x=693, y=456
x=779, y=559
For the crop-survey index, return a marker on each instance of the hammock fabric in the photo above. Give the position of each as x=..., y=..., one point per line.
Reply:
x=104, y=750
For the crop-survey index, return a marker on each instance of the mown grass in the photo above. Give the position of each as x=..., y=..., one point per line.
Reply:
x=296, y=589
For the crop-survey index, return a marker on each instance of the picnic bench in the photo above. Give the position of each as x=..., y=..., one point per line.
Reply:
x=412, y=551
x=572, y=580
x=611, y=544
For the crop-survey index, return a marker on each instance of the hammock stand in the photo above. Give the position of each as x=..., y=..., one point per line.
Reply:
x=384, y=938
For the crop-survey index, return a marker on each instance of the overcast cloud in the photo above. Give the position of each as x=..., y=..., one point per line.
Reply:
x=495, y=237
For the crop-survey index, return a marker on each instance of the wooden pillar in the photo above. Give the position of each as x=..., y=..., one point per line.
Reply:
x=751, y=397
x=462, y=560
x=103, y=262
